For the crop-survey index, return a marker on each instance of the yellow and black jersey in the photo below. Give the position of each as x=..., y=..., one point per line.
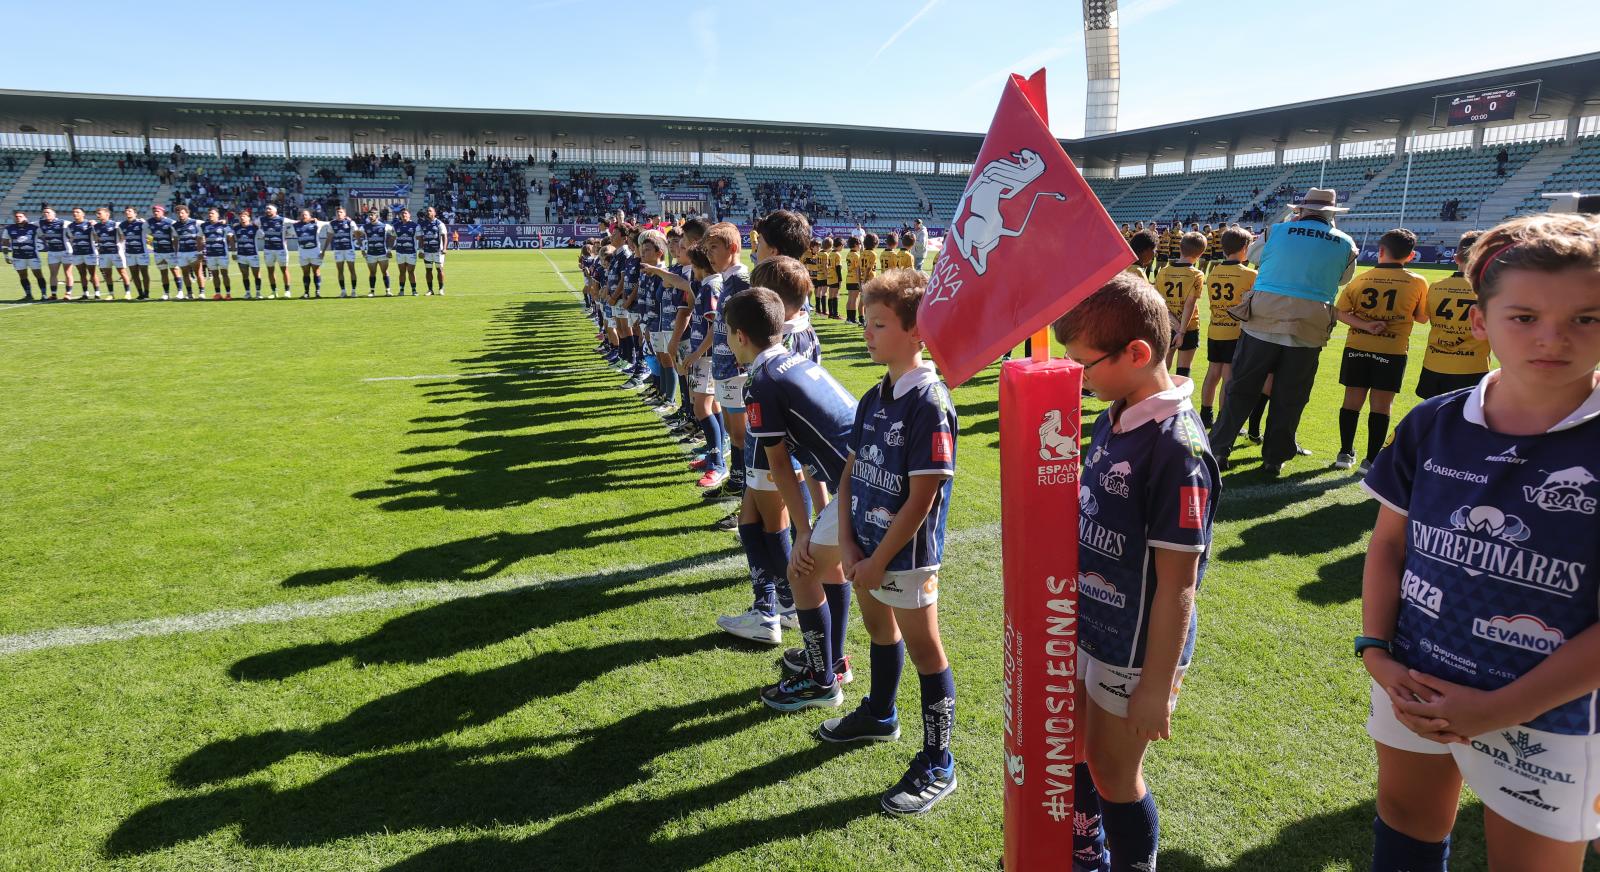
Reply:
x=1452, y=349
x=1178, y=283
x=1226, y=286
x=1214, y=245
x=869, y=265
x=1164, y=246
x=835, y=274
x=853, y=262
x=812, y=261
x=1389, y=293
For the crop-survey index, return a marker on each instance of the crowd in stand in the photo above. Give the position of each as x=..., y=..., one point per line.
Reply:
x=493, y=191
x=586, y=194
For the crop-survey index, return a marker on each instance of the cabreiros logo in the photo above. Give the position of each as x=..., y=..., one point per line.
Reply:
x=1457, y=474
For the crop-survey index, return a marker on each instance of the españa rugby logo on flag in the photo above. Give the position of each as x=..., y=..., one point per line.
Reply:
x=1028, y=241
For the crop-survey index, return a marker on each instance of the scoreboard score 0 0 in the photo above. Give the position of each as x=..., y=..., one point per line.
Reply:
x=1497, y=105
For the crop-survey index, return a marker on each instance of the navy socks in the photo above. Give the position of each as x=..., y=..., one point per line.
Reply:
x=1394, y=851
x=1088, y=838
x=765, y=595
x=816, y=630
x=887, y=661
x=839, y=614
x=938, y=715
x=1132, y=831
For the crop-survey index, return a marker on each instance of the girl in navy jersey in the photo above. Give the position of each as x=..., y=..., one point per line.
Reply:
x=1481, y=592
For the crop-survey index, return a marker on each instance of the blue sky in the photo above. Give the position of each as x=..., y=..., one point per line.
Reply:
x=934, y=64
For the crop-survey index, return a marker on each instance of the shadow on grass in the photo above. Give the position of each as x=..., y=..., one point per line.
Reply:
x=479, y=621
x=1340, y=839
x=1325, y=529
x=507, y=783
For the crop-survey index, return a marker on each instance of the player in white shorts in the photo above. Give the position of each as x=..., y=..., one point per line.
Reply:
x=433, y=236
x=108, y=252
x=135, y=246
x=404, y=234
x=21, y=243
x=275, y=249
x=53, y=249
x=80, y=243
x=374, y=237
x=310, y=237
x=342, y=242
x=189, y=239
x=244, y=240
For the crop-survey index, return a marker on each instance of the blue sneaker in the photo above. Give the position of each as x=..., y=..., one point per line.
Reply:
x=921, y=788
x=801, y=692
x=860, y=726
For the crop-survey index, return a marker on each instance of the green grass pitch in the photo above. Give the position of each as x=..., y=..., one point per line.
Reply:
x=478, y=614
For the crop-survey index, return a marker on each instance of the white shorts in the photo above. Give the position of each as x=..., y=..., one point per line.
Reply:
x=1110, y=686
x=137, y=259
x=825, y=527
x=344, y=255
x=700, y=380
x=164, y=259
x=730, y=393
x=216, y=261
x=183, y=258
x=310, y=258
x=26, y=263
x=247, y=259
x=274, y=256
x=112, y=260
x=402, y=257
x=78, y=259
x=908, y=588
x=376, y=258
x=57, y=258
x=1547, y=783
x=633, y=318
x=436, y=257
x=660, y=342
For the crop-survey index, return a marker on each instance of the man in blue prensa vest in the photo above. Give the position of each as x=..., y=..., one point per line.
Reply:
x=1287, y=319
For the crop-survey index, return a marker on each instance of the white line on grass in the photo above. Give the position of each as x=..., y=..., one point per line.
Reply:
x=222, y=619
x=14, y=306
x=560, y=275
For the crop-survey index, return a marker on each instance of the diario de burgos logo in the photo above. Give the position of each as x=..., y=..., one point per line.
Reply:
x=1562, y=491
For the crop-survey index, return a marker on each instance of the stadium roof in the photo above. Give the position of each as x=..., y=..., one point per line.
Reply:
x=1567, y=87
x=375, y=125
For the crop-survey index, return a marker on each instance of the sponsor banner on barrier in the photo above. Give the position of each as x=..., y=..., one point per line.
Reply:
x=515, y=235
x=682, y=196
x=1039, y=433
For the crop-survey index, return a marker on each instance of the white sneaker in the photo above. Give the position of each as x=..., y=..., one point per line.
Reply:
x=441, y=292
x=754, y=626
x=1345, y=460
x=127, y=295
x=165, y=297
x=180, y=295
x=789, y=618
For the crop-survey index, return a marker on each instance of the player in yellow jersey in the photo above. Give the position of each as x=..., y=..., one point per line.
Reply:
x=813, y=264
x=1214, y=244
x=852, y=277
x=1204, y=260
x=1144, y=245
x=1127, y=232
x=1380, y=305
x=888, y=257
x=1165, y=243
x=868, y=268
x=1180, y=284
x=1226, y=286
x=1456, y=359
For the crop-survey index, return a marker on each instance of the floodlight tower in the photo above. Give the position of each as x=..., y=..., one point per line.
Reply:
x=1105, y=66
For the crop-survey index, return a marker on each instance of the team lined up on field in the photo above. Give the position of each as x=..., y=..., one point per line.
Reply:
x=1210, y=269
x=188, y=253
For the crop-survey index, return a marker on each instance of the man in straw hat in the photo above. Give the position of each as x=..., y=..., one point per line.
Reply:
x=1286, y=319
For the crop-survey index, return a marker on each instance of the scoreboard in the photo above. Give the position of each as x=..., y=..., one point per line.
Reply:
x=1496, y=105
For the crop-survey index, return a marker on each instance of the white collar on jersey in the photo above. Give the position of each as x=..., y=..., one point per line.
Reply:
x=1157, y=407
x=1473, y=410
x=772, y=351
x=732, y=271
x=916, y=378
x=800, y=323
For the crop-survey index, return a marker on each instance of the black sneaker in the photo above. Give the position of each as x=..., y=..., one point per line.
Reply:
x=800, y=692
x=729, y=523
x=793, y=662
x=860, y=726
x=921, y=788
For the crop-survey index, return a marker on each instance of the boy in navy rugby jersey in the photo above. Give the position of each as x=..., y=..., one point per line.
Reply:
x=697, y=366
x=799, y=414
x=1479, y=598
x=1147, y=497
x=894, y=495
x=728, y=277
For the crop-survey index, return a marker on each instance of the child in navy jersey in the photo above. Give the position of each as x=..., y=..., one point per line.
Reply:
x=893, y=498
x=1147, y=495
x=1481, y=590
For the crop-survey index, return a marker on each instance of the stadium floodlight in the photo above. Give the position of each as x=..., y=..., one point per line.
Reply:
x=1103, y=56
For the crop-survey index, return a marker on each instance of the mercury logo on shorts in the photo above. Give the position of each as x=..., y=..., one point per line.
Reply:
x=1531, y=797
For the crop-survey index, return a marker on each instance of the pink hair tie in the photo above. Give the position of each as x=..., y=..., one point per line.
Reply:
x=1483, y=265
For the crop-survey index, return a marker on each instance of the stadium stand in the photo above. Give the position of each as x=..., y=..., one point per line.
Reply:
x=1579, y=172
x=806, y=190
x=90, y=181
x=1461, y=177
x=1148, y=198
x=1221, y=194
x=942, y=192
x=878, y=197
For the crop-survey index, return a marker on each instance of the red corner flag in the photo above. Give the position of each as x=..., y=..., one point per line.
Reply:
x=1029, y=241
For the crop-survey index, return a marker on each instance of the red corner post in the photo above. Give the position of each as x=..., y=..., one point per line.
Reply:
x=1039, y=414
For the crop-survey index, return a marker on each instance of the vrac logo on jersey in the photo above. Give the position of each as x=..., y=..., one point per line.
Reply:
x=1519, y=631
x=1114, y=481
x=896, y=434
x=1562, y=491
